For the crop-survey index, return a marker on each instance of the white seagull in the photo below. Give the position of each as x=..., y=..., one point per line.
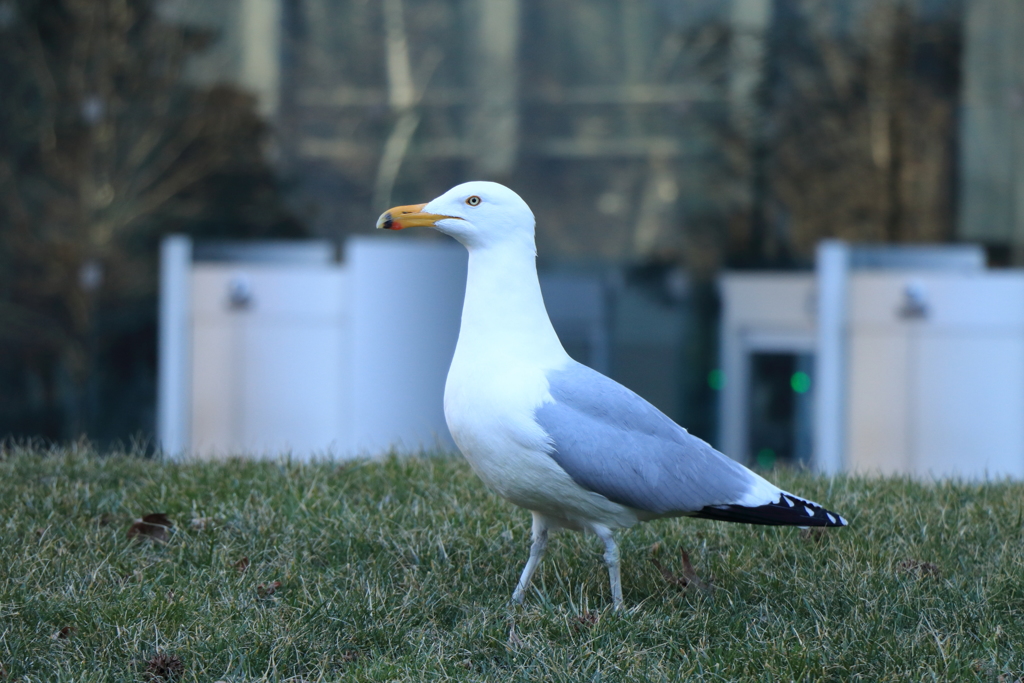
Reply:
x=577, y=449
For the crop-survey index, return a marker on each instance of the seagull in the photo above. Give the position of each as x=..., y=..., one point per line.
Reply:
x=575, y=448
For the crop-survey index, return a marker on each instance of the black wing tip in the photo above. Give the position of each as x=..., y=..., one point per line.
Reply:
x=787, y=511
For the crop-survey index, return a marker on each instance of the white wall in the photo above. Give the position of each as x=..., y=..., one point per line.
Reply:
x=939, y=394
x=314, y=357
x=406, y=308
x=269, y=377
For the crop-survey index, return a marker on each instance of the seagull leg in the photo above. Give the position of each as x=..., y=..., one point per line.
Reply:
x=537, y=550
x=611, y=558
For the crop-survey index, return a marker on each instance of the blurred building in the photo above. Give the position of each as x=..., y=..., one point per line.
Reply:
x=892, y=360
x=657, y=141
x=702, y=132
x=589, y=105
x=605, y=132
x=992, y=132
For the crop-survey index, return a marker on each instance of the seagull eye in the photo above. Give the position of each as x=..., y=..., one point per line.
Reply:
x=473, y=201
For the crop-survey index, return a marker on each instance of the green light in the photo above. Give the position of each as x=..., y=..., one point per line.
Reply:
x=800, y=381
x=716, y=379
x=765, y=458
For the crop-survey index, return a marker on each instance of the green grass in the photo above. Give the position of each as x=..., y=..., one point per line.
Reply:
x=401, y=570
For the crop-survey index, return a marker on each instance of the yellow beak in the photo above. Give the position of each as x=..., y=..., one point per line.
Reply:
x=411, y=216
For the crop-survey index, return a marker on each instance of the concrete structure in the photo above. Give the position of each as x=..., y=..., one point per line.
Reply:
x=918, y=360
x=277, y=348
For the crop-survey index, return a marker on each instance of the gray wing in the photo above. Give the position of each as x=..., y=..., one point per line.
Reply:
x=613, y=442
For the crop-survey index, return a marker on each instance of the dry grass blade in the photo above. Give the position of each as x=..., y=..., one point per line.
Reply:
x=687, y=578
x=665, y=573
x=919, y=568
x=812, y=534
x=265, y=590
x=154, y=527
x=691, y=574
x=64, y=632
x=586, y=620
x=164, y=667
x=242, y=565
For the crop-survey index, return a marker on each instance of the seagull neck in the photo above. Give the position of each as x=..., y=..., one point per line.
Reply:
x=504, y=310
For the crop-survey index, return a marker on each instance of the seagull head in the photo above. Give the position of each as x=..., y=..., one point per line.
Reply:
x=479, y=214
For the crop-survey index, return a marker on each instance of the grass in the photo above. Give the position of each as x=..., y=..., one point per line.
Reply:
x=401, y=569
